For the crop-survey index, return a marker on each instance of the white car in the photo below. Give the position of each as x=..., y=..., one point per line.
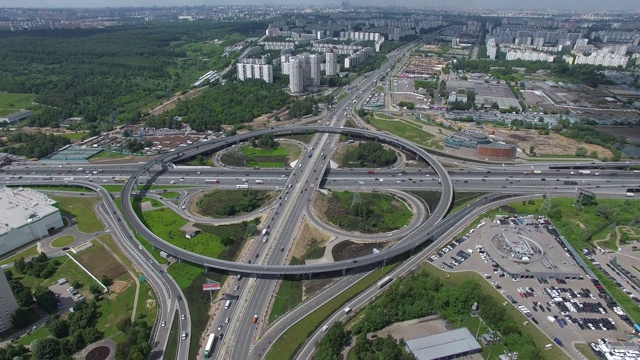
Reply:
x=219, y=327
x=325, y=328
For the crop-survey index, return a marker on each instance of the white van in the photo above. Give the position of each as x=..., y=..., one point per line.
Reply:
x=227, y=304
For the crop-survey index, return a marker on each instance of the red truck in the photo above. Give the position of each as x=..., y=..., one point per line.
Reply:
x=371, y=172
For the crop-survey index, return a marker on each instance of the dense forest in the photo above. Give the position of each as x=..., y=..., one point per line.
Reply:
x=423, y=294
x=92, y=73
x=230, y=104
x=37, y=145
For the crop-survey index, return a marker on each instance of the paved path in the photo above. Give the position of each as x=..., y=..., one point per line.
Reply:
x=106, y=342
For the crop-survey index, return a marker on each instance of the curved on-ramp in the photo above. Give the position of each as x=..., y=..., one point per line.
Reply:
x=411, y=241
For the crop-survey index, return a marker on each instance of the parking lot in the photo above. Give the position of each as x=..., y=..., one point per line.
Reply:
x=573, y=310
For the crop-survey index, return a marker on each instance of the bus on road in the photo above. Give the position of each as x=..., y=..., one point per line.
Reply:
x=120, y=180
x=385, y=281
x=211, y=342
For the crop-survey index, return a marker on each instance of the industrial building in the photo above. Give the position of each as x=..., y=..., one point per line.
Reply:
x=445, y=345
x=15, y=117
x=497, y=151
x=27, y=215
x=8, y=304
x=466, y=138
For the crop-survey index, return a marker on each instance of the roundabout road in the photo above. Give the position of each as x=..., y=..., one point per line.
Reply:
x=411, y=241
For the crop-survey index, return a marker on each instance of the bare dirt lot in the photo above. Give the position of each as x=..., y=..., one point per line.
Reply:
x=552, y=144
x=633, y=134
x=309, y=237
x=100, y=262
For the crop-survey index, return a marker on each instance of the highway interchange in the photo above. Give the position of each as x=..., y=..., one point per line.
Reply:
x=244, y=339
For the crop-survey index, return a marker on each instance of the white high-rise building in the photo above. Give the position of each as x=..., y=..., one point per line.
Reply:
x=255, y=71
x=8, y=304
x=314, y=67
x=296, y=74
x=492, y=49
x=332, y=63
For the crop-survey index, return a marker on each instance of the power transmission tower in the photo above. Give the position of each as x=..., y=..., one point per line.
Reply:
x=546, y=203
x=356, y=195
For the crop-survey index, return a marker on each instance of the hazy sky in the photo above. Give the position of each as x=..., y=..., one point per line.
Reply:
x=511, y=4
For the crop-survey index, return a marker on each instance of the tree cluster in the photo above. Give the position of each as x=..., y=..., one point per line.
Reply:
x=330, y=346
x=373, y=154
x=300, y=108
x=37, y=145
x=69, y=335
x=230, y=104
x=407, y=104
x=136, y=341
x=380, y=348
x=12, y=352
x=136, y=146
x=265, y=142
x=423, y=294
x=39, y=266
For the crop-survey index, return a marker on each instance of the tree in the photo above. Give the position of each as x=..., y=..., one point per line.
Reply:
x=76, y=284
x=57, y=327
x=95, y=290
x=45, y=299
x=46, y=349
x=20, y=265
x=532, y=150
x=106, y=281
x=581, y=151
x=24, y=297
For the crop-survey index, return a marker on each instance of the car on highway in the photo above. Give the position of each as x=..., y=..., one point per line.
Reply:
x=150, y=261
x=226, y=321
x=325, y=328
x=164, y=323
x=220, y=327
x=236, y=288
x=140, y=247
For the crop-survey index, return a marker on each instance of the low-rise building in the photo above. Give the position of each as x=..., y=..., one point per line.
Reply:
x=15, y=117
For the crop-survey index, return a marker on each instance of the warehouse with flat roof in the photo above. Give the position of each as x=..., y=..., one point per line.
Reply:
x=27, y=215
x=445, y=345
x=15, y=117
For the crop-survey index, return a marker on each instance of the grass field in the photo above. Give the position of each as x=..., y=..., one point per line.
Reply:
x=63, y=241
x=146, y=244
x=166, y=224
x=82, y=211
x=113, y=310
x=74, y=136
x=170, y=195
x=107, y=154
x=113, y=188
x=12, y=102
x=305, y=138
x=264, y=158
x=406, y=131
x=184, y=273
x=383, y=212
x=26, y=253
x=289, y=342
x=586, y=351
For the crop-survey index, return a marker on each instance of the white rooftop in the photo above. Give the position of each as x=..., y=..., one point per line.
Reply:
x=443, y=345
x=19, y=205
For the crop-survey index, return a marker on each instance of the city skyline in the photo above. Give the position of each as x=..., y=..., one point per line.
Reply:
x=498, y=4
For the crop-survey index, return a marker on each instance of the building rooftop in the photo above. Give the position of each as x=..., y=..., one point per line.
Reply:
x=18, y=206
x=443, y=345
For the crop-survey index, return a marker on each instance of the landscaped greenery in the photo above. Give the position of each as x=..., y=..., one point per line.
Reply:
x=407, y=131
x=71, y=188
x=375, y=212
x=214, y=241
x=368, y=154
x=81, y=209
x=10, y=103
x=107, y=154
x=277, y=156
x=226, y=203
x=171, y=195
x=62, y=241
